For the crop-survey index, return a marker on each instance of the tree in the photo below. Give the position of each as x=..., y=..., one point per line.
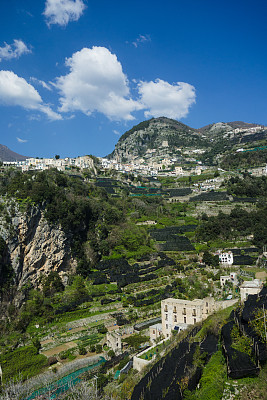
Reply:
x=82, y=350
x=78, y=286
x=111, y=353
x=98, y=348
x=57, y=156
x=37, y=344
x=52, y=284
x=209, y=259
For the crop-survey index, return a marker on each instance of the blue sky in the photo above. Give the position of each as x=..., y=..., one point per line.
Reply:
x=75, y=75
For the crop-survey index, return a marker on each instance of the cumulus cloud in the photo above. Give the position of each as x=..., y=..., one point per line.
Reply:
x=163, y=99
x=40, y=82
x=21, y=140
x=61, y=12
x=14, y=50
x=16, y=91
x=141, y=39
x=96, y=82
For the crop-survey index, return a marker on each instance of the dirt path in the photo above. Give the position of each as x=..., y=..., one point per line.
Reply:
x=261, y=275
x=58, y=349
x=74, y=330
x=43, y=342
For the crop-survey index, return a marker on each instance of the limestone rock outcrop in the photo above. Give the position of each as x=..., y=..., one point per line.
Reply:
x=35, y=247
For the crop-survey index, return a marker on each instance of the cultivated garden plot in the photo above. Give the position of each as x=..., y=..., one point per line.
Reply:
x=173, y=242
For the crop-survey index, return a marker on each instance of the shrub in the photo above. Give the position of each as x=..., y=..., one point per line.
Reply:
x=98, y=348
x=51, y=360
x=102, y=330
x=82, y=350
x=24, y=362
x=111, y=353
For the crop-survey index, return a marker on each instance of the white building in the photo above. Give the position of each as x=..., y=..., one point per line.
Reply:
x=229, y=278
x=155, y=331
x=250, y=287
x=226, y=258
x=177, y=314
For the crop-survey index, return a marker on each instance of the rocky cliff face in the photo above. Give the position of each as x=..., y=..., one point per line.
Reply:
x=35, y=247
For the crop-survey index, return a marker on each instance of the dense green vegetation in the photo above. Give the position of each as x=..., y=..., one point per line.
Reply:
x=248, y=186
x=21, y=363
x=238, y=223
x=246, y=159
x=212, y=380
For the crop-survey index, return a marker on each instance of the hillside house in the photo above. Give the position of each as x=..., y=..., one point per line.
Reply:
x=226, y=258
x=229, y=278
x=155, y=331
x=250, y=287
x=177, y=314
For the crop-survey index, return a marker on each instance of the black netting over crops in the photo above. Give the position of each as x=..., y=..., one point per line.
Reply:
x=239, y=364
x=173, y=242
x=120, y=271
x=177, y=243
x=155, y=295
x=245, y=199
x=179, y=192
x=245, y=316
x=209, y=344
x=156, y=233
x=165, y=377
x=211, y=196
x=166, y=262
x=238, y=252
x=244, y=260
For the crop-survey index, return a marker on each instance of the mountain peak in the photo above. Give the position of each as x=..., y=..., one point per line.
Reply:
x=155, y=137
x=8, y=155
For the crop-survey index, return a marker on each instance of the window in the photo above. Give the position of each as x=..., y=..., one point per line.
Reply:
x=166, y=317
x=194, y=312
x=185, y=320
x=166, y=326
x=184, y=311
x=174, y=309
x=195, y=320
x=166, y=308
x=207, y=311
x=175, y=318
x=167, y=335
x=207, y=304
x=154, y=331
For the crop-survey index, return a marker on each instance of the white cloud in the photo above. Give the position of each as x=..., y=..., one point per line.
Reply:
x=61, y=12
x=116, y=132
x=141, y=39
x=42, y=83
x=96, y=82
x=21, y=140
x=16, y=91
x=14, y=50
x=164, y=99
